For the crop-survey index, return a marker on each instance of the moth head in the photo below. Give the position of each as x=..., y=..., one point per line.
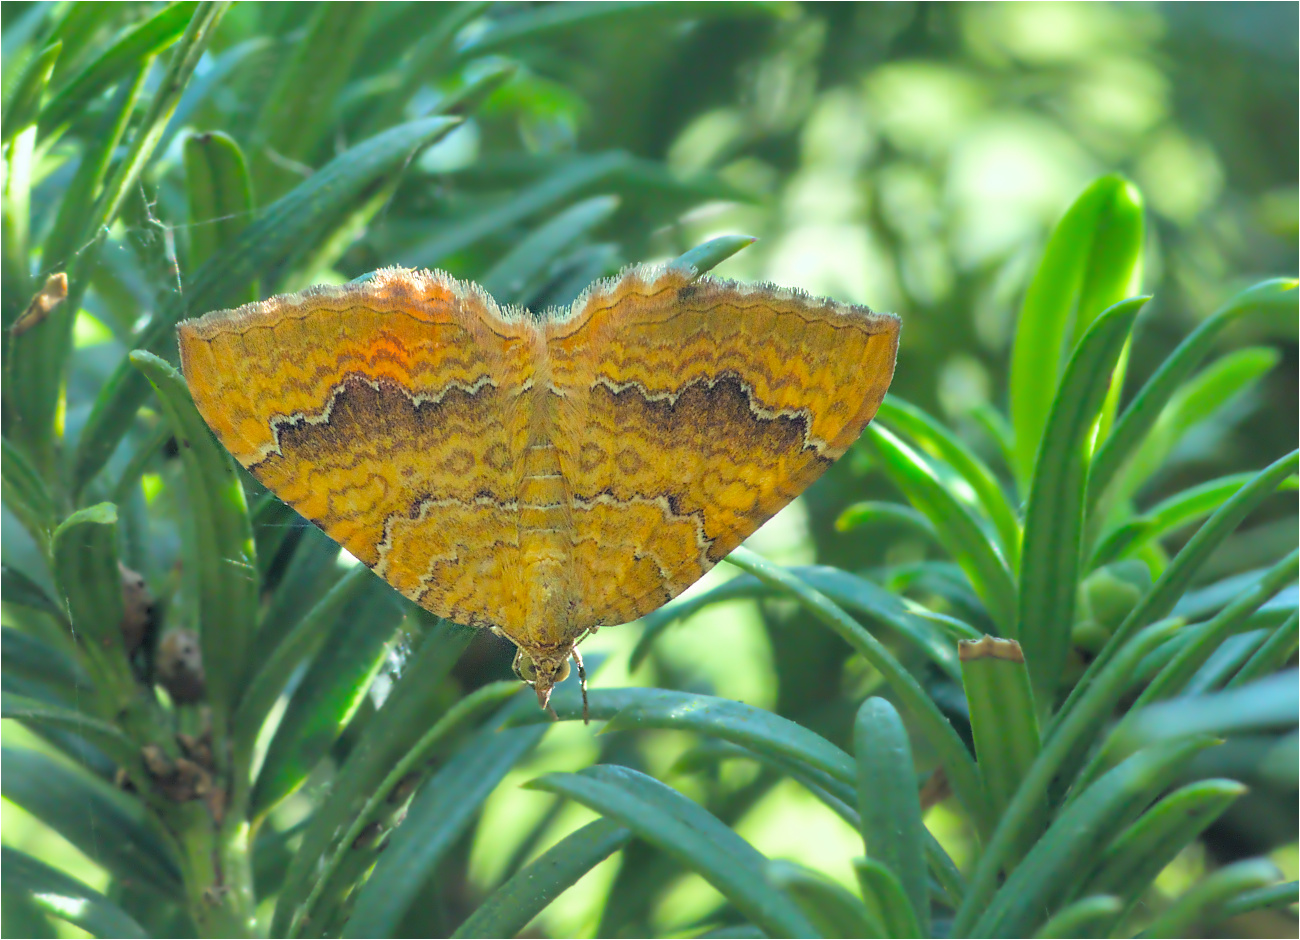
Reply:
x=543, y=673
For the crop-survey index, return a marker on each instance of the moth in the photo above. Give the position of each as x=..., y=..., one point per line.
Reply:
x=539, y=475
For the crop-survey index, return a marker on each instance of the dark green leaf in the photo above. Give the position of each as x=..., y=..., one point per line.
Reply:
x=330, y=691
x=66, y=898
x=284, y=230
x=226, y=565
x=1064, y=853
x=406, y=712
x=1280, y=895
x=107, y=825
x=704, y=258
x=24, y=100
x=139, y=44
x=1170, y=514
x=1178, y=576
x=1203, y=904
x=692, y=836
x=1003, y=717
x=1132, y=861
x=1088, y=917
x=532, y=24
x=508, y=909
x=62, y=722
x=1270, y=703
x=440, y=813
x=884, y=897
x=939, y=733
x=741, y=724
x=1275, y=653
x=912, y=624
x=298, y=110
x=1201, y=397
x=18, y=588
x=1271, y=297
x=831, y=908
x=284, y=657
x=39, y=370
x=889, y=804
x=220, y=200
x=860, y=515
x=353, y=853
x=1071, y=735
x=1173, y=678
x=86, y=574
x=508, y=278
x=28, y=656
x=25, y=493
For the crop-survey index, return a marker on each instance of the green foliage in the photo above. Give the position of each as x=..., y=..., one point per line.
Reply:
x=267, y=741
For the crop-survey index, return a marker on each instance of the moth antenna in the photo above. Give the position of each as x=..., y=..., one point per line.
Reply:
x=582, y=683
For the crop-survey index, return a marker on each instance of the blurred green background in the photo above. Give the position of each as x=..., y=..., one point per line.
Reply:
x=908, y=156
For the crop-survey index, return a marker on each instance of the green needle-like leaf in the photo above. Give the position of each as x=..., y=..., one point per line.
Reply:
x=39, y=365
x=1275, y=653
x=509, y=908
x=1170, y=514
x=140, y=43
x=299, y=108
x=226, y=563
x=1053, y=866
x=689, y=834
x=1174, y=676
x=25, y=494
x=1203, y=904
x=1275, y=297
x=1063, y=746
x=1092, y=261
x=741, y=724
x=330, y=691
x=1160, y=600
x=386, y=807
x=833, y=910
x=84, y=552
x=43, y=716
x=1003, y=718
x=66, y=898
x=391, y=733
x=508, y=278
x=889, y=805
x=1265, y=704
x=1054, y=519
x=284, y=230
x=1086, y=918
x=24, y=100
x=1201, y=397
x=220, y=197
x=969, y=546
x=1138, y=854
x=914, y=625
x=1274, y=896
x=939, y=442
x=885, y=899
x=952, y=752
x=441, y=812
x=704, y=258
x=106, y=824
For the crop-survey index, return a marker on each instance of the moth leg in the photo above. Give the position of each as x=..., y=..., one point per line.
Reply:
x=582, y=682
